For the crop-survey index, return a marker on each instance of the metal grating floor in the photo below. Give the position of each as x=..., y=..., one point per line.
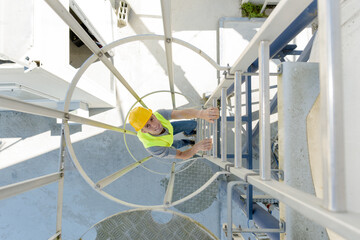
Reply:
x=140, y=224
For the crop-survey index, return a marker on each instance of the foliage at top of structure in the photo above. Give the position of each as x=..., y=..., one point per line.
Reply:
x=251, y=10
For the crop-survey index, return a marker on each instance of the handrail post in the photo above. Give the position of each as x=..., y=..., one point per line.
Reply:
x=223, y=126
x=230, y=187
x=238, y=121
x=264, y=138
x=215, y=138
x=331, y=105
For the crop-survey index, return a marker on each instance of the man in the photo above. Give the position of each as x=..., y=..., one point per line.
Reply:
x=156, y=132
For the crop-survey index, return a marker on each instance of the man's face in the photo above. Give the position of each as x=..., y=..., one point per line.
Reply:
x=153, y=126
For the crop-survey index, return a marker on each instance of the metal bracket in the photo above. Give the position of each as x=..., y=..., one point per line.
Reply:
x=228, y=75
x=280, y=173
x=66, y=116
x=249, y=174
x=228, y=166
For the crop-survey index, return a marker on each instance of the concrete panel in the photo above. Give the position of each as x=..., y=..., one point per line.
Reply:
x=297, y=90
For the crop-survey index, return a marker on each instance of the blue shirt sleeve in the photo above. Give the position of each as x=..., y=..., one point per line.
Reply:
x=165, y=113
x=162, y=152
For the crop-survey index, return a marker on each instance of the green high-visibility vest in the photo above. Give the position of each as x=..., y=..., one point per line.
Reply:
x=161, y=141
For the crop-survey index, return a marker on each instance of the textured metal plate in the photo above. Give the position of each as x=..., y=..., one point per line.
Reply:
x=188, y=181
x=142, y=224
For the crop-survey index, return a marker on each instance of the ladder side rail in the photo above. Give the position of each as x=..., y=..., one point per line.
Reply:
x=264, y=137
x=223, y=126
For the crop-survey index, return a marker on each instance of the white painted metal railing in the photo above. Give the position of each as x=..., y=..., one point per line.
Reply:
x=345, y=224
x=331, y=105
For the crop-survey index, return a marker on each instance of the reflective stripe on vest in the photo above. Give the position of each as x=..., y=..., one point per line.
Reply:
x=161, y=141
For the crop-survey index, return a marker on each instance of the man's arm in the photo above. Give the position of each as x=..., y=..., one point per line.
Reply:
x=204, y=145
x=209, y=114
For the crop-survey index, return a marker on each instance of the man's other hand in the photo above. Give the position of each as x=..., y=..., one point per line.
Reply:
x=210, y=114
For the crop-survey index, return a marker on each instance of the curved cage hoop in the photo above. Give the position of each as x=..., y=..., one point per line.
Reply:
x=69, y=95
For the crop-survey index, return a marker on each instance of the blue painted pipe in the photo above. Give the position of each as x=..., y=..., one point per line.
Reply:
x=301, y=22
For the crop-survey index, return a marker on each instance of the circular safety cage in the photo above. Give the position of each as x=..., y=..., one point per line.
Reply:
x=148, y=224
x=176, y=168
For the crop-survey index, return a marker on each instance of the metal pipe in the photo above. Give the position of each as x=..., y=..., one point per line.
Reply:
x=65, y=15
x=331, y=105
x=223, y=126
x=215, y=137
x=264, y=86
x=166, y=16
x=21, y=106
x=61, y=181
x=111, y=178
x=24, y=186
x=229, y=206
x=170, y=188
x=238, y=121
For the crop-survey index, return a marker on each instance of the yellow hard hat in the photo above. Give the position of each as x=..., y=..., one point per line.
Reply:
x=139, y=116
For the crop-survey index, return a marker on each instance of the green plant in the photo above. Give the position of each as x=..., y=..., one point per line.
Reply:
x=251, y=10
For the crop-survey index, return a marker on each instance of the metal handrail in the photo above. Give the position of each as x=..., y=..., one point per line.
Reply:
x=282, y=16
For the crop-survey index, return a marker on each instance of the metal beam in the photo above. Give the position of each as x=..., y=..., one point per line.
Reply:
x=25, y=107
x=111, y=178
x=24, y=186
x=166, y=16
x=65, y=15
